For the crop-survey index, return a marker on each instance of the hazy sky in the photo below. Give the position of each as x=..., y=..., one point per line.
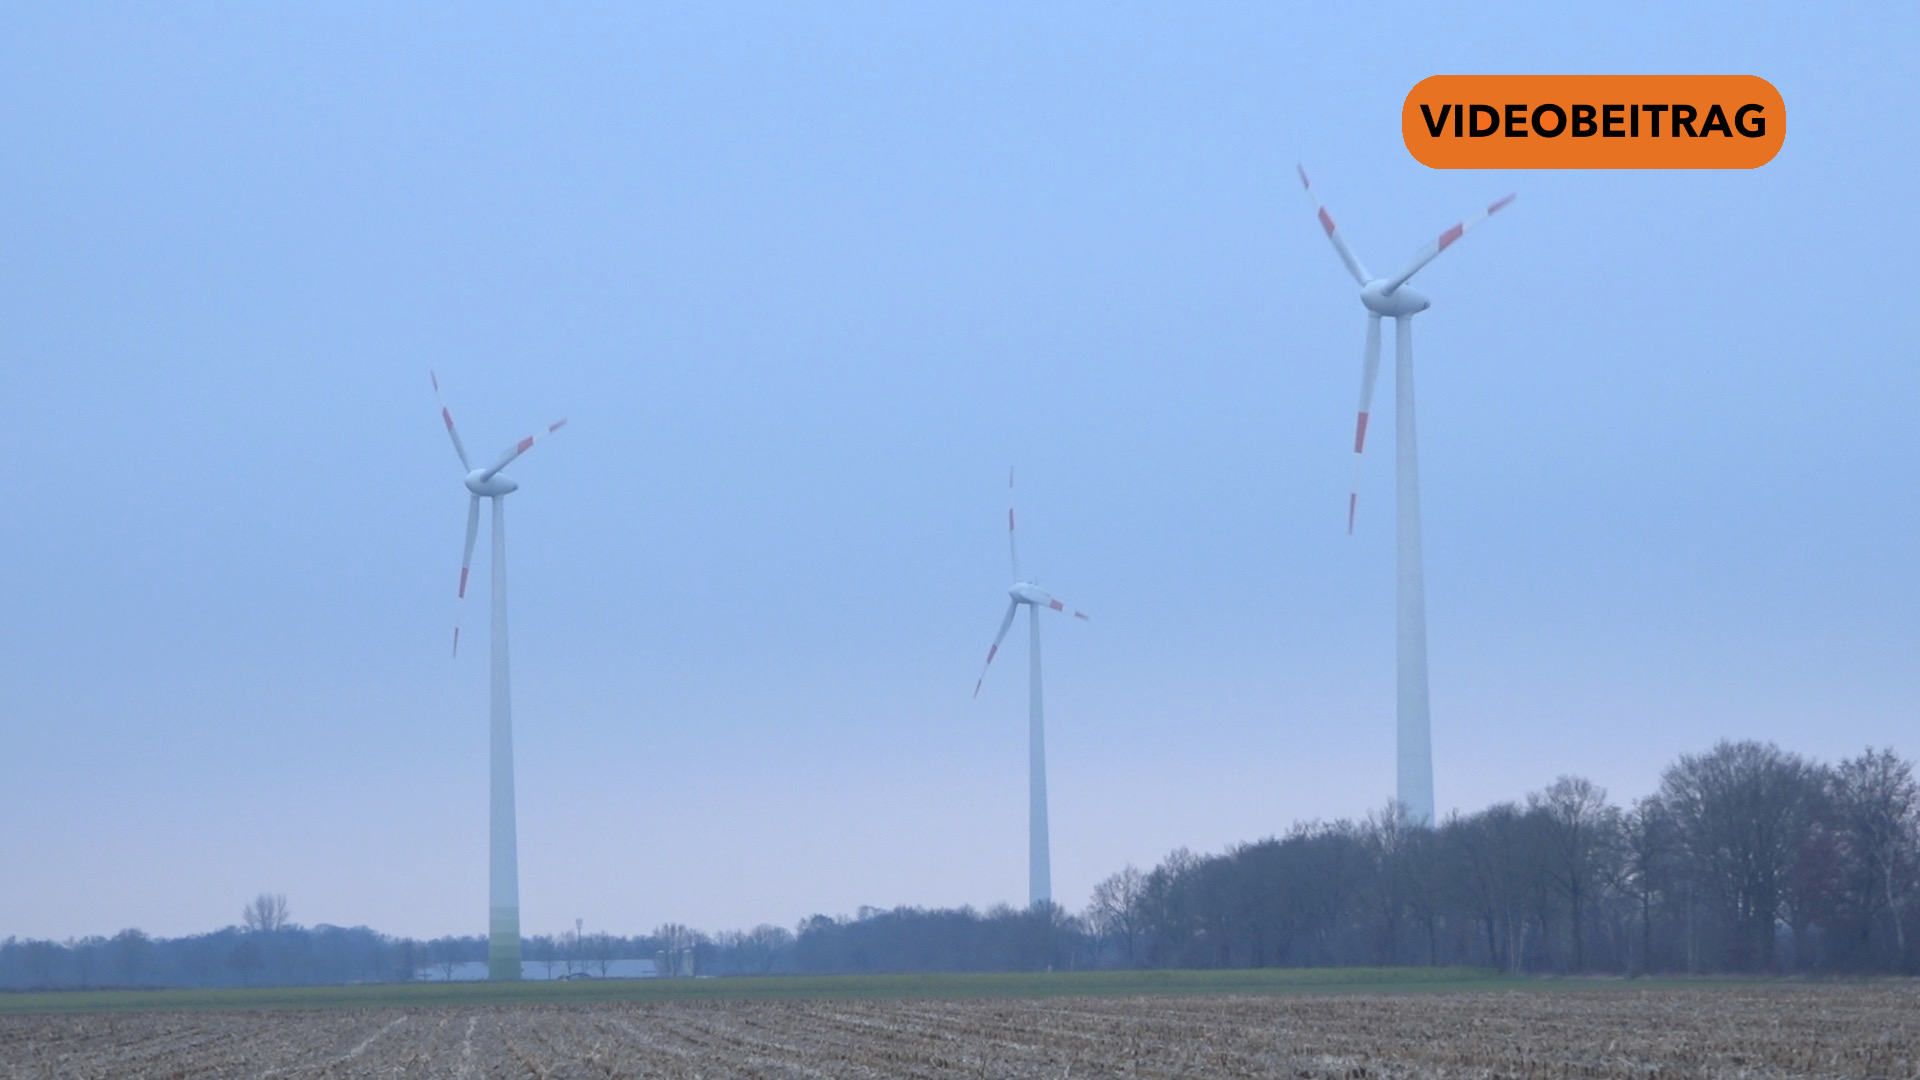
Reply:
x=806, y=279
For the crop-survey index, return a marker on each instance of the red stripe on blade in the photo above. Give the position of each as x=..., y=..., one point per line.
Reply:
x=991, y=649
x=1353, y=500
x=1451, y=235
x=1304, y=182
x=463, y=581
x=1326, y=221
x=1360, y=434
x=447, y=416
x=456, y=641
x=1495, y=208
x=1009, y=519
x=1056, y=605
x=556, y=426
x=524, y=443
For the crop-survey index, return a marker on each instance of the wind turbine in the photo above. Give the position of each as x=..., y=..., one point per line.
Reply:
x=1384, y=297
x=1025, y=591
x=503, y=860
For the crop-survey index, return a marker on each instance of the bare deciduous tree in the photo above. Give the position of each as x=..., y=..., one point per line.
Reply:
x=130, y=949
x=1742, y=809
x=446, y=955
x=1116, y=910
x=1498, y=874
x=266, y=913
x=1879, y=817
x=1647, y=864
x=1579, y=828
x=676, y=943
x=761, y=945
x=546, y=951
x=600, y=949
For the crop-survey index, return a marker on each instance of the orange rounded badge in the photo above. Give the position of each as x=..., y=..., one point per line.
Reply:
x=1594, y=122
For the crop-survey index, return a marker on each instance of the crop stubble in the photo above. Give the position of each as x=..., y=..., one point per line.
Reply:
x=1764, y=1031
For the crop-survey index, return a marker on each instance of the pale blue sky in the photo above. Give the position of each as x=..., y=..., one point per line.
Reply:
x=807, y=278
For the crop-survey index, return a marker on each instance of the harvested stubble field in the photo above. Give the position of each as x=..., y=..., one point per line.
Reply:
x=1759, y=1030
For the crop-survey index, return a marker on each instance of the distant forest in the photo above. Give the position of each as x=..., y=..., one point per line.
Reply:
x=1747, y=859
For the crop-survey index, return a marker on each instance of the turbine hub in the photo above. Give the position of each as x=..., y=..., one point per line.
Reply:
x=1397, y=304
x=1026, y=592
x=480, y=483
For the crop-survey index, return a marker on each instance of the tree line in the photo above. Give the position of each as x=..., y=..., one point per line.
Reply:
x=1748, y=858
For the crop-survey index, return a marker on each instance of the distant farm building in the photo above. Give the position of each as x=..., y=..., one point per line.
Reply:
x=540, y=970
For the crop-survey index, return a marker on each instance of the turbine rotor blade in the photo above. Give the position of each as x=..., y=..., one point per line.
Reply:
x=1347, y=256
x=447, y=416
x=1056, y=604
x=473, y=533
x=1369, y=368
x=466, y=560
x=1005, y=625
x=1443, y=242
x=1013, y=546
x=521, y=447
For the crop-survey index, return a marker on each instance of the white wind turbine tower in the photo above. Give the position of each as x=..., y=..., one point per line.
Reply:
x=1390, y=297
x=503, y=861
x=1025, y=591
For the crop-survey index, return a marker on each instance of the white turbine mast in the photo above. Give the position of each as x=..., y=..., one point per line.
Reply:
x=1384, y=297
x=1028, y=592
x=503, y=878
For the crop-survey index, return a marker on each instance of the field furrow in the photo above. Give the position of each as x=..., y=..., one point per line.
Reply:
x=1756, y=1033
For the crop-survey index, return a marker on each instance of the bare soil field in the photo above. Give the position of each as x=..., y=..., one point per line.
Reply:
x=1855, y=1030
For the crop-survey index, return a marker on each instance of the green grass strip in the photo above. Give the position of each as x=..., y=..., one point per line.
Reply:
x=1351, y=980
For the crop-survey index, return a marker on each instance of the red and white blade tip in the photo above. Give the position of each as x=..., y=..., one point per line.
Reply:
x=525, y=444
x=1460, y=228
x=1058, y=606
x=456, y=641
x=463, y=583
x=1353, y=503
x=991, y=651
x=1326, y=219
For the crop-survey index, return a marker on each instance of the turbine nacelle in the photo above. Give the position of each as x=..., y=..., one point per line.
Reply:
x=1026, y=592
x=1382, y=299
x=481, y=482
